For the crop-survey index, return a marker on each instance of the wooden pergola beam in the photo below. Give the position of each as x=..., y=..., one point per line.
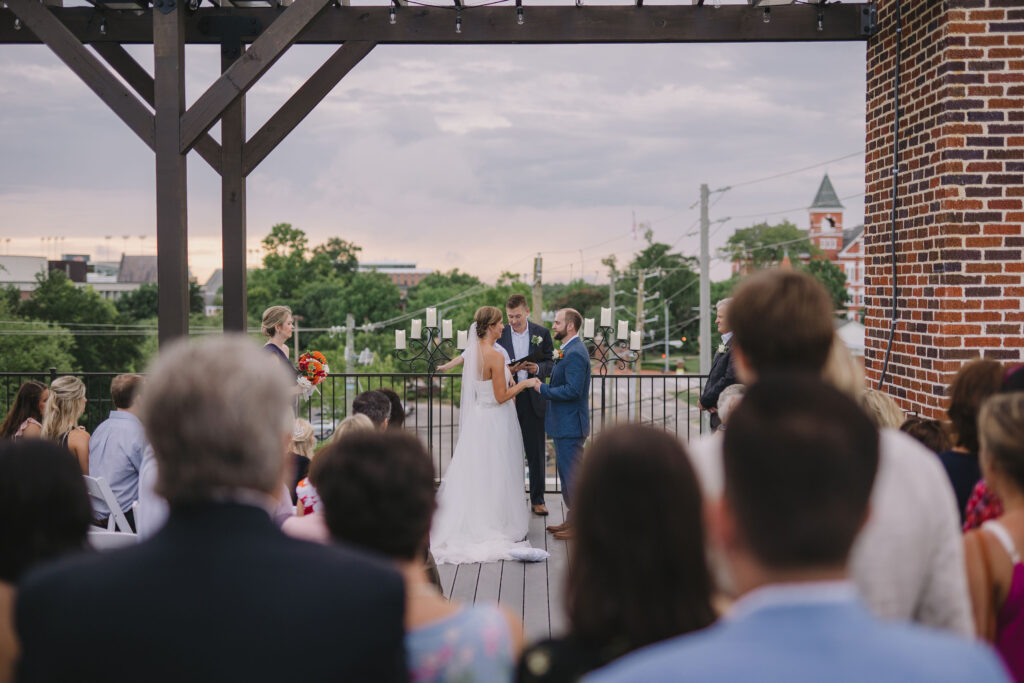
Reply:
x=139, y=79
x=243, y=74
x=302, y=102
x=497, y=25
x=86, y=66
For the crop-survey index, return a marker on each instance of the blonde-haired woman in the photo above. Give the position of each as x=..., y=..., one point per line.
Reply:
x=277, y=325
x=60, y=418
x=301, y=449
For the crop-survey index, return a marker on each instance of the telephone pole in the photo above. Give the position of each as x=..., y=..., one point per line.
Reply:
x=665, y=303
x=538, y=291
x=641, y=277
x=705, y=293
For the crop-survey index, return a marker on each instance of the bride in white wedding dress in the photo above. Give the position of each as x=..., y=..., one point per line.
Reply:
x=482, y=513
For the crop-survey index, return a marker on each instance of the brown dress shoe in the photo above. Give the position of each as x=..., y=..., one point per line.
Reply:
x=564, y=534
x=540, y=509
x=555, y=528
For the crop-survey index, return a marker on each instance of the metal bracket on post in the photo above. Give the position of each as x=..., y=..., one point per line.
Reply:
x=869, y=19
x=164, y=6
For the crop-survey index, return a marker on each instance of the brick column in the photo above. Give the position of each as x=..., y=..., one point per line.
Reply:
x=960, y=207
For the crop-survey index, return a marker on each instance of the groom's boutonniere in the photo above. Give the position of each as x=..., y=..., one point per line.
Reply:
x=535, y=340
x=721, y=348
x=557, y=354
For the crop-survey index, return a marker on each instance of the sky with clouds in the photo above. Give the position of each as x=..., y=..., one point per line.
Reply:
x=469, y=157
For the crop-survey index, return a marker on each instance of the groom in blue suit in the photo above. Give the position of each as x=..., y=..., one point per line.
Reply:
x=800, y=460
x=568, y=417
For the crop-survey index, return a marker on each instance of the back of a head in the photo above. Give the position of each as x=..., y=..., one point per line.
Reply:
x=303, y=438
x=67, y=401
x=842, y=370
x=356, y=422
x=43, y=503
x=610, y=595
x=397, y=419
x=1001, y=425
x=377, y=490
x=973, y=383
x=881, y=409
x=217, y=413
x=931, y=433
x=124, y=390
x=25, y=405
x=800, y=461
x=782, y=321
x=374, y=405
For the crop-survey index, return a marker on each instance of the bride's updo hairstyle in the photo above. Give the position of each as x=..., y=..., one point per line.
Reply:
x=484, y=318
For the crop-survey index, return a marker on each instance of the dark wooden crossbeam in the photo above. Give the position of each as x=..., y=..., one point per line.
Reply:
x=497, y=25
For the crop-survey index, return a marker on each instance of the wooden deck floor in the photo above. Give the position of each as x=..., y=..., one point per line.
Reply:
x=531, y=590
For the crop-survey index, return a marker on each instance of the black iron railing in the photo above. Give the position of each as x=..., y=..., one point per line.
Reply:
x=431, y=403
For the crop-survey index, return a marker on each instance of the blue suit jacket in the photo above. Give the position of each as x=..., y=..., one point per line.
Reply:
x=812, y=642
x=568, y=416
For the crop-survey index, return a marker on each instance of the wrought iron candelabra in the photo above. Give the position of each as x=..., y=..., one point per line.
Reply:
x=431, y=343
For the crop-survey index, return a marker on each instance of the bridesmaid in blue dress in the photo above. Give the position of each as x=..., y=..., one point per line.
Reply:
x=278, y=325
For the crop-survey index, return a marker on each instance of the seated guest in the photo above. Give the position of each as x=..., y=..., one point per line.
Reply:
x=46, y=514
x=629, y=585
x=974, y=383
x=301, y=450
x=397, y=418
x=994, y=567
x=60, y=419
x=908, y=561
x=25, y=418
x=800, y=460
x=931, y=433
x=881, y=408
x=378, y=493
x=116, y=448
x=728, y=400
x=374, y=405
x=213, y=595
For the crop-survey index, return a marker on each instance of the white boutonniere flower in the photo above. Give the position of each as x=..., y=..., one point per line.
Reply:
x=721, y=348
x=557, y=355
x=535, y=340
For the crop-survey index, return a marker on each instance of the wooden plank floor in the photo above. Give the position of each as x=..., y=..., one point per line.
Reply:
x=533, y=591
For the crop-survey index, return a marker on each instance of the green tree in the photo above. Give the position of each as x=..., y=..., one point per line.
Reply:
x=674, y=278
x=834, y=279
x=336, y=256
x=57, y=300
x=369, y=297
x=583, y=296
x=764, y=245
x=33, y=346
x=143, y=303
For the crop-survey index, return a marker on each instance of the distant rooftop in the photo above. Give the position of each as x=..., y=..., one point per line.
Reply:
x=21, y=268
x=826, y=197
x=137, y=269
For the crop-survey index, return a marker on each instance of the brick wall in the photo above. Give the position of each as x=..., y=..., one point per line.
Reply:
x=960, y=194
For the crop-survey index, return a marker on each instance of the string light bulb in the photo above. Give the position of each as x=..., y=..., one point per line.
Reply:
x=519, y=12
x=103, y=27
x=458, y=22
x=821, y=19
x=17, y=24
x=767, y=15
x=717, y=4
x=393, y=13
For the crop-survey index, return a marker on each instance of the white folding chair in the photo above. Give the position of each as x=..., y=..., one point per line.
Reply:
x=109, y=540
x=99, y=489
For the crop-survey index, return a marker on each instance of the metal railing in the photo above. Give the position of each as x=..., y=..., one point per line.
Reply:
x=431, y=401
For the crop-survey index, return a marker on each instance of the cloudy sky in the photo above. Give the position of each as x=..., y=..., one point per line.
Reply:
x=469, y=157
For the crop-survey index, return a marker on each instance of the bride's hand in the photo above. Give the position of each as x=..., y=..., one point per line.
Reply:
x=532, y=383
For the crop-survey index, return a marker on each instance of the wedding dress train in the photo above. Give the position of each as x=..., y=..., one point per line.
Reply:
x=482, y=513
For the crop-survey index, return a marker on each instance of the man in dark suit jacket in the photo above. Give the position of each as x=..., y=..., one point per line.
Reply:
x=520, y=338
x=218, y=594
x=723, y=370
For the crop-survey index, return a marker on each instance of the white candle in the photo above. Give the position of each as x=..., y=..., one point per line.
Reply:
x=431, y=317
x=588, y=327
x=606, y=317
x=623, y=330
x=635, y=340
x=446, y=329
x=463, y=339
x=400, y=340
x=417, y=329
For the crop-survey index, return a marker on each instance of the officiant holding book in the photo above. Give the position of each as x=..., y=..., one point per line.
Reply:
x=531, y=350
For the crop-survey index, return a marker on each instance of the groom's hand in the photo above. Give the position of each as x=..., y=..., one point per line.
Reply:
x=531, y=368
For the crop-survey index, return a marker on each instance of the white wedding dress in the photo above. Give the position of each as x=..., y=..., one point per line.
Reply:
x=482, y=513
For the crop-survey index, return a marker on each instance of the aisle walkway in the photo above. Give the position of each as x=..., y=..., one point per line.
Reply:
x=532, y=590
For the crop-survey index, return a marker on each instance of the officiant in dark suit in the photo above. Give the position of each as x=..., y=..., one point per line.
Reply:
x=522, y=338
x=723, y=371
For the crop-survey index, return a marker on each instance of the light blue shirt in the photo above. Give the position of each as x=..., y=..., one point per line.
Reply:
x=115, y=453
x=726, y=336
x=521, y=345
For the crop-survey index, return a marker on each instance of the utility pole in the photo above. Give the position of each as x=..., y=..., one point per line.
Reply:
x=665, y=302
x=295, y=337
x=350, y=343
x=705, y=292
x=537, y=308
x=640, y=314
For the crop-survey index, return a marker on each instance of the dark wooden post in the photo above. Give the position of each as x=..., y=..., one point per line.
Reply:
x=232, y=127
x=171, y=168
